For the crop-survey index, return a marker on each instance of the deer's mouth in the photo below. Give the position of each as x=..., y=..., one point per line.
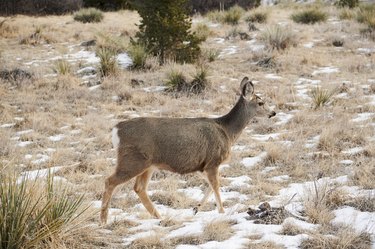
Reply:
x=272, y=114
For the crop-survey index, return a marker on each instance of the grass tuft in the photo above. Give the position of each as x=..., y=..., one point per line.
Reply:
x=257, y=16
x=108, y=63
x=62, y=67
x=366, y=15
x=88, y=15
x=139, y=54
x=278, y=37
x=233, y=15
x=310, y=16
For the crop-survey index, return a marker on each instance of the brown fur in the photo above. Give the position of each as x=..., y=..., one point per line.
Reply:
x=182, y=145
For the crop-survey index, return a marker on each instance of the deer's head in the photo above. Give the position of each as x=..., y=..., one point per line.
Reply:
x=254, y=102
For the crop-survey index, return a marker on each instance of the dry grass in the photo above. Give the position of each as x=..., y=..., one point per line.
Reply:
x=342, y=238
x=217, y=230
x=316, y=206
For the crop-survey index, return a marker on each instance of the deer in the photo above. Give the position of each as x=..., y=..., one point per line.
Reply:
x=180, y=145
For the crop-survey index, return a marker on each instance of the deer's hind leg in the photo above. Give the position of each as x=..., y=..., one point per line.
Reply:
x=140, y=187
x=128, y=167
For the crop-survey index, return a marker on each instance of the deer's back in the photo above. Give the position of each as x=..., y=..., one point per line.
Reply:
x=183, y=145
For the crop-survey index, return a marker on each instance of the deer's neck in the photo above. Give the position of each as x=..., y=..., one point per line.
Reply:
x=236, y=120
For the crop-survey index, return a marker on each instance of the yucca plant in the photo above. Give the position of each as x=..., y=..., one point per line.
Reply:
x=108, y=62
x=199, y=82
x=176, y=81
x=62, y=67
x=87, y=15
x=321, y=97
x=32, y=215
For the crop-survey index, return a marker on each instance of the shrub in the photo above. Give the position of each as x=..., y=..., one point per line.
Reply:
x=309, y=16
x=165, y=30
x=88, y=15
x=139, y=55
x=278, y=37
x=108, y=62
x=202, y=31
x=347, y=3
x=257, y=16
x=33, y=215
x=62, y=67
x=233, y=15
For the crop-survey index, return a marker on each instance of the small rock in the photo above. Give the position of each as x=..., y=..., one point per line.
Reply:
x=89, y=43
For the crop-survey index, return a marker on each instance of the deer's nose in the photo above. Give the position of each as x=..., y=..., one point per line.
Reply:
x=272, y=114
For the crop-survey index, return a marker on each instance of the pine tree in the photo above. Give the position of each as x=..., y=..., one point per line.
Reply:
x=165, y=30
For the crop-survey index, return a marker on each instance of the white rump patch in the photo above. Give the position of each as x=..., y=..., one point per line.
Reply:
x=115, y=137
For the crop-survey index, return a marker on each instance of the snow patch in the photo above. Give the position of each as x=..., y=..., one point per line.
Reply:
x=250, y=162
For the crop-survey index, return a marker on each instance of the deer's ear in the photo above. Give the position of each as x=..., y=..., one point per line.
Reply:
x=247, y=88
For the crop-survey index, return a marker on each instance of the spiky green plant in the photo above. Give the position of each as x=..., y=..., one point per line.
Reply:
x=199, y=82
x=32, y=215
x=108, y=62
x=62, y=67
x=176, y=81
x=139, y=54
x=321, y=97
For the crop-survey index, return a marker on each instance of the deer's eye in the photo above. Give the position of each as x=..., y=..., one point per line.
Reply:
x=260, y=103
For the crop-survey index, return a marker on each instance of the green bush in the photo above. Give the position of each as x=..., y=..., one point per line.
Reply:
x=257, y=16
x=33, y=215
x=348, y=3
x=278, y=37
x=233, y=15
x=310, y=16
x=88, y=15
